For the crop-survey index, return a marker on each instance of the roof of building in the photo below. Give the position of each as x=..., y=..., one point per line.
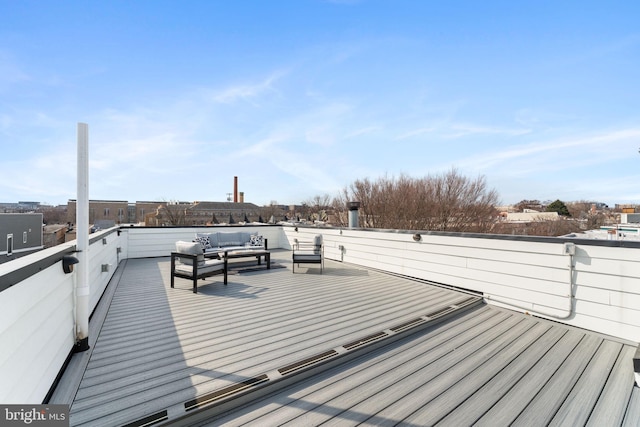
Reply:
x=225, y=206
x=346, y=346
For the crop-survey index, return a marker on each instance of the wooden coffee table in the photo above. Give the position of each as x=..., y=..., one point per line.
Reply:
x=248, y=253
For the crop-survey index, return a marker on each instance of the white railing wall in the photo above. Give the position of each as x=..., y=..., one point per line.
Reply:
x=37, y=317
x=36, y=330
x=531, y=275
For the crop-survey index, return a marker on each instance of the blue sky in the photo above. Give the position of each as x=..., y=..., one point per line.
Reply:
x=301, y=98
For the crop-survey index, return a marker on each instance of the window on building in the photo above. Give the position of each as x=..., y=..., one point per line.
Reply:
x=106, y=212
x=9, y=244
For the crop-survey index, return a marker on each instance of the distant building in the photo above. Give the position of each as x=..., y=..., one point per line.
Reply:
x=629, y=218
x=20, y=207
x=531, y=216
x=100, y=210
x=54, y=234
x=20, y=234
x=203, y=213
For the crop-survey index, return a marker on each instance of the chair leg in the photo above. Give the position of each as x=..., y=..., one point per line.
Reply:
x=173, y=269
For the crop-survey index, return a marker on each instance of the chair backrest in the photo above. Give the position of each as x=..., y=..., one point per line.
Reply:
x=317, y=244
x=190, y=248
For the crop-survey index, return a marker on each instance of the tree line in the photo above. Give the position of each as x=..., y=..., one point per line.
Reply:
x=444, y=202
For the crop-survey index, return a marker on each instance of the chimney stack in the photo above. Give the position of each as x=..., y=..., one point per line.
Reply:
x=353, y=214
x=235, y=189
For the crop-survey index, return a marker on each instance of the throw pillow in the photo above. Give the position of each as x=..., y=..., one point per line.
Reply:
x=204, y=241
x=257, y=240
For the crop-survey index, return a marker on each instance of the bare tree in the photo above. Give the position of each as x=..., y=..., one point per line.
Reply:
x=272, y=210
x=585, y=211
x=448, y=202
x=316, y=208
x=172, y=213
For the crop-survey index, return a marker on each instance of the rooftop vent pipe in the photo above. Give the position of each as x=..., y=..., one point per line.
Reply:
x=353, y=214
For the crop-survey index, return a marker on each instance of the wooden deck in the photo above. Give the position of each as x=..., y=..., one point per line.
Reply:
x=395, y=351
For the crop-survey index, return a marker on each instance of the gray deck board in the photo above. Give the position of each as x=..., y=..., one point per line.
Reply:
x=519, y=394
x=632, y=415
x=617, y=389
x=160, y=347
x=353, y=384
x=491, y=380
x=588, y=388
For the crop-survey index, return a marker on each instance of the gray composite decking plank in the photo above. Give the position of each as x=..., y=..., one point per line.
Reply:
x=265, y=346
x=242, y=341
x=301, y=313
x=279, y=293
x=350, y=387
x=478, y=390
x=405, y=379
x=548, y=400
x=177, y=380
x=216, y=328
x=510, y=405
x=365, y=370
x=612, y=404
x=632, y=415
x=537, y=360
x=422, y=392
x=579, y=403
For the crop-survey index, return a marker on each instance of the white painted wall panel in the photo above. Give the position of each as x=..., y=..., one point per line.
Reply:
x=36, y=334
x=99, y=254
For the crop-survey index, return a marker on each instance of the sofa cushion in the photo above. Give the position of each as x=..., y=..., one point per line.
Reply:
x=208, y=266
x=233, y=238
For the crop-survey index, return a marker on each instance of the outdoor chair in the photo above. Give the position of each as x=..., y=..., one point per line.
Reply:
x=188, y=262
x=309, y=253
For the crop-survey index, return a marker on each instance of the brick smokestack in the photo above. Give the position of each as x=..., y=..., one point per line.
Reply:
x=235, y=189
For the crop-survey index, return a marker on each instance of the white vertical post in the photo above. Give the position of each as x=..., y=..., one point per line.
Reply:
x=82, y=243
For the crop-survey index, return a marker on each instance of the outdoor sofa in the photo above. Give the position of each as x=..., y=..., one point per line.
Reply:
x=229, y=241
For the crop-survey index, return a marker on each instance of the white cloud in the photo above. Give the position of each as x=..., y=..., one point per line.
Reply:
x=416, y=132
x=463, y=130
x=248, y=92
x=568, y=150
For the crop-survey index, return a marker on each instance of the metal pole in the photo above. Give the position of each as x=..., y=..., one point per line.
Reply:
x=82, y=242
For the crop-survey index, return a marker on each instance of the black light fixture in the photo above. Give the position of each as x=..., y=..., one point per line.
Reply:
x=67, y=263
x=417, y=237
